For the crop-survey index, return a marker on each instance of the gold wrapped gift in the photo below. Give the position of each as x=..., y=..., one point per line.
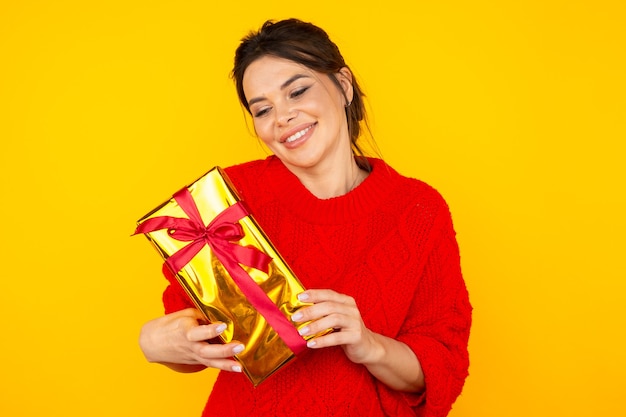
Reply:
x=219, y=253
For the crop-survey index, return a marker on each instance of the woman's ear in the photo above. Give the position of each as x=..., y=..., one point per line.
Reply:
x=344, y=76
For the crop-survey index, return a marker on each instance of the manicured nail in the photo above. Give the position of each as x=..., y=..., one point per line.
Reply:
x=311, y=343
x=304, y=331
x=303, y=296
x=236, y=368
x=219, y=329
x=297, y=316
x=238, y=349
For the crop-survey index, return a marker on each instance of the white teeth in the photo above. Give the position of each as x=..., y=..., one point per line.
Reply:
x=297, y=135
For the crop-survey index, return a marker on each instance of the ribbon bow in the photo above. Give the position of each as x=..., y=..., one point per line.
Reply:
x=220, y=235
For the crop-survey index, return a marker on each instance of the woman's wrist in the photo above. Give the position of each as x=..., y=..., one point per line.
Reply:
x=395, y=364
x=377, y=351
x=145, y=343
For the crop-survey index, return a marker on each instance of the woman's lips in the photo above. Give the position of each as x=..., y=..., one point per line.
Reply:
x=295, y=134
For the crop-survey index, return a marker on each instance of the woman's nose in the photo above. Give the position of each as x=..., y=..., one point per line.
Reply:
x=285, y=114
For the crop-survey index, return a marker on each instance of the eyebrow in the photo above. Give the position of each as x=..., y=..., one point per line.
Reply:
x=284, y=85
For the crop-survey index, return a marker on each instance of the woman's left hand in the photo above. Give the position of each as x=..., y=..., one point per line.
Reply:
x=389, y=360
x=339, y=312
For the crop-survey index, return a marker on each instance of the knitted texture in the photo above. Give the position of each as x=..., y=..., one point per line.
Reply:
x=389, y=244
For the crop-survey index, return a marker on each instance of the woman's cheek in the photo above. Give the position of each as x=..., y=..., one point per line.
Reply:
x=261, y=131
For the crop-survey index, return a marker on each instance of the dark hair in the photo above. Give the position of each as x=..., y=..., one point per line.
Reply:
x=306, y=44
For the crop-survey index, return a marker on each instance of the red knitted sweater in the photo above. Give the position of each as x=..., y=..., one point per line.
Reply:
x=389, y=243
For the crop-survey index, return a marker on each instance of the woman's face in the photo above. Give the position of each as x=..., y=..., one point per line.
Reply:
x=299, y=113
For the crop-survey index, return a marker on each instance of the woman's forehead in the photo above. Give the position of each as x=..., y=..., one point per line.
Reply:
x=270, y=73
x=269, y=65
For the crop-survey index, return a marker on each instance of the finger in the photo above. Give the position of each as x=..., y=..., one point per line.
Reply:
x=317, y=296
x=332, y=339
x=323, y=309
x=224, y=365
x=218, y=351
x=205, y=332
x=337, y=322
x=220, y=356
x=190, y=312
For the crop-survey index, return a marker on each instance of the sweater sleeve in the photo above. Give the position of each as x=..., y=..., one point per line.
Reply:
x=438, y=324
x=174, y=297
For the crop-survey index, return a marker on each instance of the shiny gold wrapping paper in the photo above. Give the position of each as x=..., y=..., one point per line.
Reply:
x=212, y=289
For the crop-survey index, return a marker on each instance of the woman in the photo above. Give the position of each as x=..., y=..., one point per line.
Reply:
x=376, y=251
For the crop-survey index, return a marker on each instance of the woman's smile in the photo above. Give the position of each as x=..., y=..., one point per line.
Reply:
x=291, y=105
x=292, y=140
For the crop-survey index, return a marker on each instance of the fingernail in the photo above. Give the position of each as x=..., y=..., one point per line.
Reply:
x=303, y=331
x=303, y=296
x=311, y=343
x=236, y=368
x=238, y=349
x=219, y=329
x=296, y=316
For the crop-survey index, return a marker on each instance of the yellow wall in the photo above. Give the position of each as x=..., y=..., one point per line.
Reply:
x=515, y=111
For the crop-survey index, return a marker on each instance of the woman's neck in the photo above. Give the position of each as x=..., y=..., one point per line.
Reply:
x=334, y=181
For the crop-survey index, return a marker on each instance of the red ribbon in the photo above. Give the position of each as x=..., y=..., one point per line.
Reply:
x=219, y=235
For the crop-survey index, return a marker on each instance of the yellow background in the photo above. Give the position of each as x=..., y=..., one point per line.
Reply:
x=514, y=110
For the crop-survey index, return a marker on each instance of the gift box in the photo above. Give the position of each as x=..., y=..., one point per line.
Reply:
x=230, y=270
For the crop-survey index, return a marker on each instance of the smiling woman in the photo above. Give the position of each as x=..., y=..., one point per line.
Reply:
x=300, y=115
x=376, y=250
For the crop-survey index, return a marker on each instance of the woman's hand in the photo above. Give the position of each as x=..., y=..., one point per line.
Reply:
x=340, y=312
x=389, y=360
x=179, y=341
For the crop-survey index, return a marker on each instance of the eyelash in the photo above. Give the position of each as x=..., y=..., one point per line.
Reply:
x=294, y=95
x=261, y=112
x=298, y=92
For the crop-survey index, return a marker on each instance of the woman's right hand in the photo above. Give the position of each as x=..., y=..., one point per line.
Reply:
x=179, y=341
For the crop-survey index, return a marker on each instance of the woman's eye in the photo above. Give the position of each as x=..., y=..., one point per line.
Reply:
x=262, y=112
x=298, y=92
